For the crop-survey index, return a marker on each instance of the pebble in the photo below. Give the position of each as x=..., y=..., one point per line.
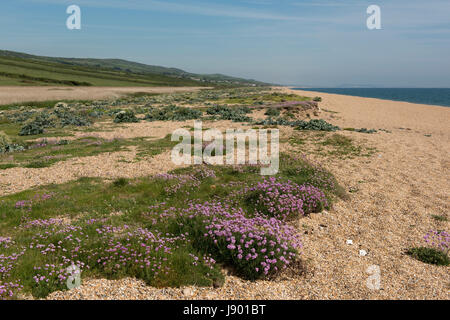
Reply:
x=188, y=292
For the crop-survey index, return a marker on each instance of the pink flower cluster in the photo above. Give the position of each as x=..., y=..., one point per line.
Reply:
x=438, y=239
x=255, y=246
x=284, y=200
x=29, y=203
x=7, y=263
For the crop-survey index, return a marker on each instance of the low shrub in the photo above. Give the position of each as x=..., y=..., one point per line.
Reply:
x=429, y=255
x=125, y=116
x=272, y=112
x=317, y=125
x=70, y=119
x=6, y=144
x=120, y=182
x=437, y=250
x=31, y=129
x=173, y=113
x=235, y=114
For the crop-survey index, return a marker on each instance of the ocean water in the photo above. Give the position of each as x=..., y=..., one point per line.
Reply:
x=433, y=96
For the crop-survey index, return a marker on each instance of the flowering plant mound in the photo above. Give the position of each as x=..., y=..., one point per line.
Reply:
x=439, y=240
x=437, y=250
x=284, y=200
x=255, y=247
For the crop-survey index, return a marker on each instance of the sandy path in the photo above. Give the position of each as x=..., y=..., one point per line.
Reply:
x=13, y=94
x=105, y=165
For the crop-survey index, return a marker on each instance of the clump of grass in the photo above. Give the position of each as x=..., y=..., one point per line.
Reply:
x=429, y=255
x=120, y=182
x=125, y=116
x=272, y=112
x=38, y=164
x=5, y=166
x=437, y=250
x=31, y=129
x=440, y=218
x=344, y=147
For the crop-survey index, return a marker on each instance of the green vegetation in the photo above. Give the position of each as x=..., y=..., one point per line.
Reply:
x=173, y=113
x=430, y=256
x=23, y=69
x=272, y=112
x=126, y=116
x=441, y=218
x=44, y=153
x=155, y=224
x=330, y=145
x=223, y=112
x=260, y=99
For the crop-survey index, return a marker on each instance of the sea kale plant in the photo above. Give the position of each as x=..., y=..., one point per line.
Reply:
x=173, y=113
x=125, y=116
x=6, y=144
x=235, y=114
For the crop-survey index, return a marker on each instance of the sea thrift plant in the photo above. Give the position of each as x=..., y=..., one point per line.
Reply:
x=186, y=182
x=439, y=240
x=284, y=200
x=256, y=247
x=8, y=289
x=28, y=204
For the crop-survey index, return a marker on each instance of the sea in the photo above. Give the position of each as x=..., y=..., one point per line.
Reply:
x=432, y=96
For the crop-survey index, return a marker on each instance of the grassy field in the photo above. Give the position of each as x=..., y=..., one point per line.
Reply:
x=17, y=71
x=23, y=69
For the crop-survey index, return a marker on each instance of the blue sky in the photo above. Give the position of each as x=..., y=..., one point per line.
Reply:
x=311, y=42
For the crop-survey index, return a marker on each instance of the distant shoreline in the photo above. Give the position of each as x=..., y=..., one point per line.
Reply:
x=374, y=113
x=427, y=96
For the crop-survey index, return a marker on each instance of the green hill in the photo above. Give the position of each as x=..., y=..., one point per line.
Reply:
x=24, y=69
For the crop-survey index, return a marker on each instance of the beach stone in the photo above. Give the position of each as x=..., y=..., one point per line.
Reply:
x=188, y=292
